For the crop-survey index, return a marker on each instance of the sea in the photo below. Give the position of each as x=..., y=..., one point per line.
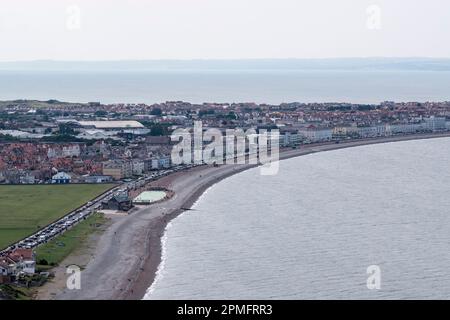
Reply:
x=226, y=86
x=369, y=222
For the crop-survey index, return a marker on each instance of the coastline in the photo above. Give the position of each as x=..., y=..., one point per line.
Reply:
x=125, y=259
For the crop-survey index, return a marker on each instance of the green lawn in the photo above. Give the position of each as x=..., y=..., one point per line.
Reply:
x=25, y=209
x=57, y=249
x=12, y=292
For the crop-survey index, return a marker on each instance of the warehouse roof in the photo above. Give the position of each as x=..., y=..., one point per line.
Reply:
x=112, y=124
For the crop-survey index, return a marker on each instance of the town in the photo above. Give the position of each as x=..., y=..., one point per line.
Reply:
x=55, y=142
x=126, y=146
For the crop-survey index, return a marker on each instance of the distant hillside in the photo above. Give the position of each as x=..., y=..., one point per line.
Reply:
x=418, y=64
x=36, y=104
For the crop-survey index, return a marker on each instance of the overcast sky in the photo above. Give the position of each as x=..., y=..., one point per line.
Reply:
x=222, y=29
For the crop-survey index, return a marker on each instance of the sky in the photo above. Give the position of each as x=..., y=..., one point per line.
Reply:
x=222, y=29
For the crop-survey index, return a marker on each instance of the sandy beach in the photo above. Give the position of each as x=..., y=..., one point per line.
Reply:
x=121, y=263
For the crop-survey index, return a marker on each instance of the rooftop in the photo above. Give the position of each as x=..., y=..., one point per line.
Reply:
x=112, y=124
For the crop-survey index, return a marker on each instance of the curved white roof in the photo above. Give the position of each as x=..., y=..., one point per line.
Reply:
x=112, y=124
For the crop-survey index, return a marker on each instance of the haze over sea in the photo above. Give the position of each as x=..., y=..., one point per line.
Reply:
x=261, y=81
x=312, y=230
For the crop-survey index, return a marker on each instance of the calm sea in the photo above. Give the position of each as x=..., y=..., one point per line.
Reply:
x=312, y=230
x=261, y=86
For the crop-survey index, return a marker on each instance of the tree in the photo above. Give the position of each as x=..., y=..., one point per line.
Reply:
x=157, y=130
x=231, y=115
x=43, y=262
x=101, y=113
x=66, y=129
x=156, y=112
x=202, y=113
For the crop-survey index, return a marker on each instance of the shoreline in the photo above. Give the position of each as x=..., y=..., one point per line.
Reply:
x=137, y=238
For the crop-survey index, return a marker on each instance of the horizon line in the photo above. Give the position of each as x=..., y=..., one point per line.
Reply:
x=232, y=59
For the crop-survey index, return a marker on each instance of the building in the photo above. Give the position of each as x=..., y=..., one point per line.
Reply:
x=383, y=130
x=95, y=134
x=27, y=178
x=21, y=134
x=119, y=201
x=435, y=123
x=155, y=164
x=290, y=138
x=61, y=178
x=406, y=128
x=112, y=125
x=147, y=165
x=28, y=266
x=19, y=261
x=164, y=162
x=161, y=162
x=138, y=131
x=4, y=268
x=138, y=167
x=118, y=169
x=98, y=179
x=71, y=150
x=313, y=134
x=5, y=271
x=343, y=132
x=367, y=132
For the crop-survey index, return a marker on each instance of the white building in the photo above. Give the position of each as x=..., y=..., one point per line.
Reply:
x=28, y=267
x=381, y=130
x=138, y=167
x=160, y=163
x=313, y=134
x=52, y=153
x=289, y=138
x=71, y=150
x=61, y=178
x=367, y=132
x=384, y=130
x=435, y=123
x=164, y=162
x=112, y=125
x=406, y=128
x=447, y=125
x=155, y=164
x=5, y=269
x=137, y=131
x=27, y=179
x=21, y=134
x=96, y=134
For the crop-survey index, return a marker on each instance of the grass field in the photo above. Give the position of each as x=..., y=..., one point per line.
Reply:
x=25, y=209
x=59, y=248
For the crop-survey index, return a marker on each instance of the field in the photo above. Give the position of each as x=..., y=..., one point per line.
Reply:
x=25, y=209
